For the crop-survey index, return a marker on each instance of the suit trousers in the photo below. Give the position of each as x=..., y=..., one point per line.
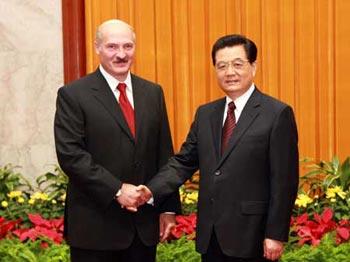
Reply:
x=136, y=252
x=215, y=254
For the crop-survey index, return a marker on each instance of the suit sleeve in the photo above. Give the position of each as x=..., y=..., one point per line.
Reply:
x=94, y=180
x=178, y=169
x=284, y=175
x=172, y=203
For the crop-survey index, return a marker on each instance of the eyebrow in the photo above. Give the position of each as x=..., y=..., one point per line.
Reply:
x=242, y=59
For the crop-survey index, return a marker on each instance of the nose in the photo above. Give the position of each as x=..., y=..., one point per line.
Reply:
x=121, y=53
x=230, y=69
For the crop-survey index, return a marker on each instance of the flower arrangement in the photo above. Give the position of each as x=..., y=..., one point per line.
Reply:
x=31, y=216
x=189, y=199
x=322, y=208
x=312, y=230
x=185, y=226
x=327, y=184
x=35, y=213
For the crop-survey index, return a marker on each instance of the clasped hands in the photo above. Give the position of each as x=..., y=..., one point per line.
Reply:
x=132, y=196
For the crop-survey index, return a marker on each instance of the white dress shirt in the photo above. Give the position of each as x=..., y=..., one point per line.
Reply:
x=113, y=83
x=240, y=103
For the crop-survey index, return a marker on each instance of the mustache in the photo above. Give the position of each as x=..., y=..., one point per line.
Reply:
x=122, y=60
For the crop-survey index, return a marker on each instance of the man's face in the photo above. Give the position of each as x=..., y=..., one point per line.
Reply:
x=234, y=72
x=116, y=50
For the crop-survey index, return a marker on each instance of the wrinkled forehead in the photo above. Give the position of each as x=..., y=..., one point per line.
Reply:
x=231, y=53
x=116, y=31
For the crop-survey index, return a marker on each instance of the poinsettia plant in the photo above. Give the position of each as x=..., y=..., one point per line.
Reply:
x=185, y=225
x=7, y=226
x=51, y=229
x=46, y=230
x=311, y=230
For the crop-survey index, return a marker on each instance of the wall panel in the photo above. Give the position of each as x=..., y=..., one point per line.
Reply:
x=164, y=55
x=302, y=60
x=269, y=49
x=305, y=84
x=342, y=87
x=144, y=17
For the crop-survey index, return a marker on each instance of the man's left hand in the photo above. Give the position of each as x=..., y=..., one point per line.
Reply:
x=273, y=249
x=166, y=224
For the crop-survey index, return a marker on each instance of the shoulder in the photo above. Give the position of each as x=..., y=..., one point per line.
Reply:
x=275, y=108
x=272, y=103
x=82, y=84
x=146, y=89
x=213, y=105
x=142, y=82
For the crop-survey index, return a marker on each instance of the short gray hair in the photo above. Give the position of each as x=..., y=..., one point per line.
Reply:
x=116, y=22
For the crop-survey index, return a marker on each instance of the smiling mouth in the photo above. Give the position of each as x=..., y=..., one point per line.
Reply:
x=232, y=82
x=120, y=63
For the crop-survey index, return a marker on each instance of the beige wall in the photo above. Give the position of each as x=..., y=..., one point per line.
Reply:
x=31, y=70
x=303, y=57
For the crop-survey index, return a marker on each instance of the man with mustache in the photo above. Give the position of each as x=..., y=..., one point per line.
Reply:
x=112, y=133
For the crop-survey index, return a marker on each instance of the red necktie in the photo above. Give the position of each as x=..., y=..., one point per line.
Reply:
x=126, y=107
x=228, y=127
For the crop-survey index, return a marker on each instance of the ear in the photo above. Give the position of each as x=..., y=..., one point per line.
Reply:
x=254, y=67
x=97, y=47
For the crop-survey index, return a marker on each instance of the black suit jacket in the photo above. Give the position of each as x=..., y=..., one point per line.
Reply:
x=96, y=150
x=246, y=194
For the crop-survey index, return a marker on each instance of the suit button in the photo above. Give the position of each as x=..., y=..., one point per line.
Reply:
x=217, y=173
x=212, y=200
x=137, y=164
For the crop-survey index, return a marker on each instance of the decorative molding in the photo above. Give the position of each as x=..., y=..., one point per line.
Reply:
x=74, y=50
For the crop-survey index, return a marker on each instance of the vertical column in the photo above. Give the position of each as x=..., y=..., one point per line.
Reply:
x=73, y=20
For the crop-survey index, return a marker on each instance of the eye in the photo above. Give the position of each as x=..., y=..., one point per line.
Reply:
x=111, y=46
x=238, y=65
x=221, y=66
x=128, y=46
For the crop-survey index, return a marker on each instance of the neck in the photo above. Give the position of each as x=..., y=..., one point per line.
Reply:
x=236, y=94
x=120, y=78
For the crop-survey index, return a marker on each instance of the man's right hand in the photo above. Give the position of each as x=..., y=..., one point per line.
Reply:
x=129, y=197
x=146, y=194
x=132, y=197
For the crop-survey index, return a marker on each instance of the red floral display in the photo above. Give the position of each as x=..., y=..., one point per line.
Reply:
x=7, y=226
x=308, y=230
x=186, y=225
x=42, y=228
x=312, y=231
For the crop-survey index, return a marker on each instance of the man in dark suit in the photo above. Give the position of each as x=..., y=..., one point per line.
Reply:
x=112, y=133
x=245, y=147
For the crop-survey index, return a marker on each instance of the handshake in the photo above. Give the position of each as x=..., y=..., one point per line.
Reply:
x=132, y=196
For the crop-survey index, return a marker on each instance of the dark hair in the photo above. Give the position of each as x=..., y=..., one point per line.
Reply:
x=234, y=40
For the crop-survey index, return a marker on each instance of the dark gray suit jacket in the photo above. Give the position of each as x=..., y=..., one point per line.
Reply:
x=96, y=150
x=246, y=194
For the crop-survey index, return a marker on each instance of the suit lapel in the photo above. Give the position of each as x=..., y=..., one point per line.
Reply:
x=216, y=119
x=249, y=113
x=140, y=105
x=105, y=96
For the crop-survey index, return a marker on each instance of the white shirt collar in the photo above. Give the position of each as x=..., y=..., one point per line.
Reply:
x=113, y=82
x=240, y=102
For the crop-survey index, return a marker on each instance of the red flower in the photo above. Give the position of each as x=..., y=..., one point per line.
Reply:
x=302, y=219
x=7, y=226
x=312, y=231
x=343, y=231
x=51, y=229
x=185, y=225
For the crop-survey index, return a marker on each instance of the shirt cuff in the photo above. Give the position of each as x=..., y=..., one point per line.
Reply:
x=151, y=201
